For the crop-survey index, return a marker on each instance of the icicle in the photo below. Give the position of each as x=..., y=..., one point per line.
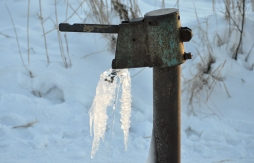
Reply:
x=125, y=104
x=105, y=94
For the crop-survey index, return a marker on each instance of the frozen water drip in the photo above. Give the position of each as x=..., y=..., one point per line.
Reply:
x=106, y=92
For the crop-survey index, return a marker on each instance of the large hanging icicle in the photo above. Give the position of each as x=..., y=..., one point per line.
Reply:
x=125, y=104
x=105, y=94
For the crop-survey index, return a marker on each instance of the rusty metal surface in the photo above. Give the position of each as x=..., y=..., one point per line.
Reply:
x=90, y=28
x=187, y=56
x=151, y=42
x=131, y=50
x=185, y=34
x=166, y=114
x=165, y=46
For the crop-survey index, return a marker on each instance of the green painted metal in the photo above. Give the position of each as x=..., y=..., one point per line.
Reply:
x=164, y=43
x=153, y=41
x=132, y=49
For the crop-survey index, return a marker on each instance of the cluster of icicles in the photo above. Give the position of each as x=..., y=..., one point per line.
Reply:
x=106, y=95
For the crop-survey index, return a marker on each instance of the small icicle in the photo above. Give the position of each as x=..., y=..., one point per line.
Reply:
x=125, y=105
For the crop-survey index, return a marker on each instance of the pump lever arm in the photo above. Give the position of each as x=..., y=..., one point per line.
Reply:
x=93, y=28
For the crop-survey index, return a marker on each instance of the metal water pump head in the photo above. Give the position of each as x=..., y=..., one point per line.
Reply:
x=153, y=41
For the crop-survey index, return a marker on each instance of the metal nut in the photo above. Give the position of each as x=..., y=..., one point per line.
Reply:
x=185, y=34
x=187, y=56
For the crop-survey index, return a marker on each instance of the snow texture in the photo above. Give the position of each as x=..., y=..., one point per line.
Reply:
x=216, y=126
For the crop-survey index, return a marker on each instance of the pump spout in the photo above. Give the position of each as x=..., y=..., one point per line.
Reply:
x=89, y=28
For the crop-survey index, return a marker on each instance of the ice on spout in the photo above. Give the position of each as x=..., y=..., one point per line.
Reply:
x=106, y=91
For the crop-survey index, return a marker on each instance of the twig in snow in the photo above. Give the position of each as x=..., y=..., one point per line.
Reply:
x=26, y=125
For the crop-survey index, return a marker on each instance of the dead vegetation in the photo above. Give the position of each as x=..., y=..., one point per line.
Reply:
x=235, y=13
x=103, y=11
x=206, y=74
x=201, y=86
x=26, y=125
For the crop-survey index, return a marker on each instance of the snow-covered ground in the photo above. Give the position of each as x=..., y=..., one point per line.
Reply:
x=44, y=118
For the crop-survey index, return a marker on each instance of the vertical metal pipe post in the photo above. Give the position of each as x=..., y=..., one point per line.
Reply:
x=154, y=41
x=167, y=114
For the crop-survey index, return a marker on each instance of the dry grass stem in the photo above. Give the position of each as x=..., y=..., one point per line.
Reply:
x=202, y=85
x=44, y=20
x=60, y=40
x=121, y=9
x=26, y=125
x=177, y=4
x=4, y=34
x=67, y=48
x=44, y=36
x=28, y=41
x=74, y=12
x=101, y=13
x=49, y=18
x=235, y=12
x=249, y=53
x=163, y=4
x=138, y=72
x=134, y=9
x=65, y=37
x=94, y=53
x=241, y=31
x=17, y=39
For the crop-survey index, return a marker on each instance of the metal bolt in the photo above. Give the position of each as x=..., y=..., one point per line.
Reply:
x=113, y=64
x=187, y=56
x=185, y=34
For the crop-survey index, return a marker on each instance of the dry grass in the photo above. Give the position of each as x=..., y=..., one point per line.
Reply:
x=162, y=4
x=201, y=86
x=43, y=30
x=65, y=37
x=30, y=124
x=234, y=13
x=246, y=59
x=28, y=41
x=102, y=12
x=4, y=35
x=60, y=40
x=17, y=39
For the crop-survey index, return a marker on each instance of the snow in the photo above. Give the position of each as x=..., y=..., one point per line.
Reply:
x=45, y=118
